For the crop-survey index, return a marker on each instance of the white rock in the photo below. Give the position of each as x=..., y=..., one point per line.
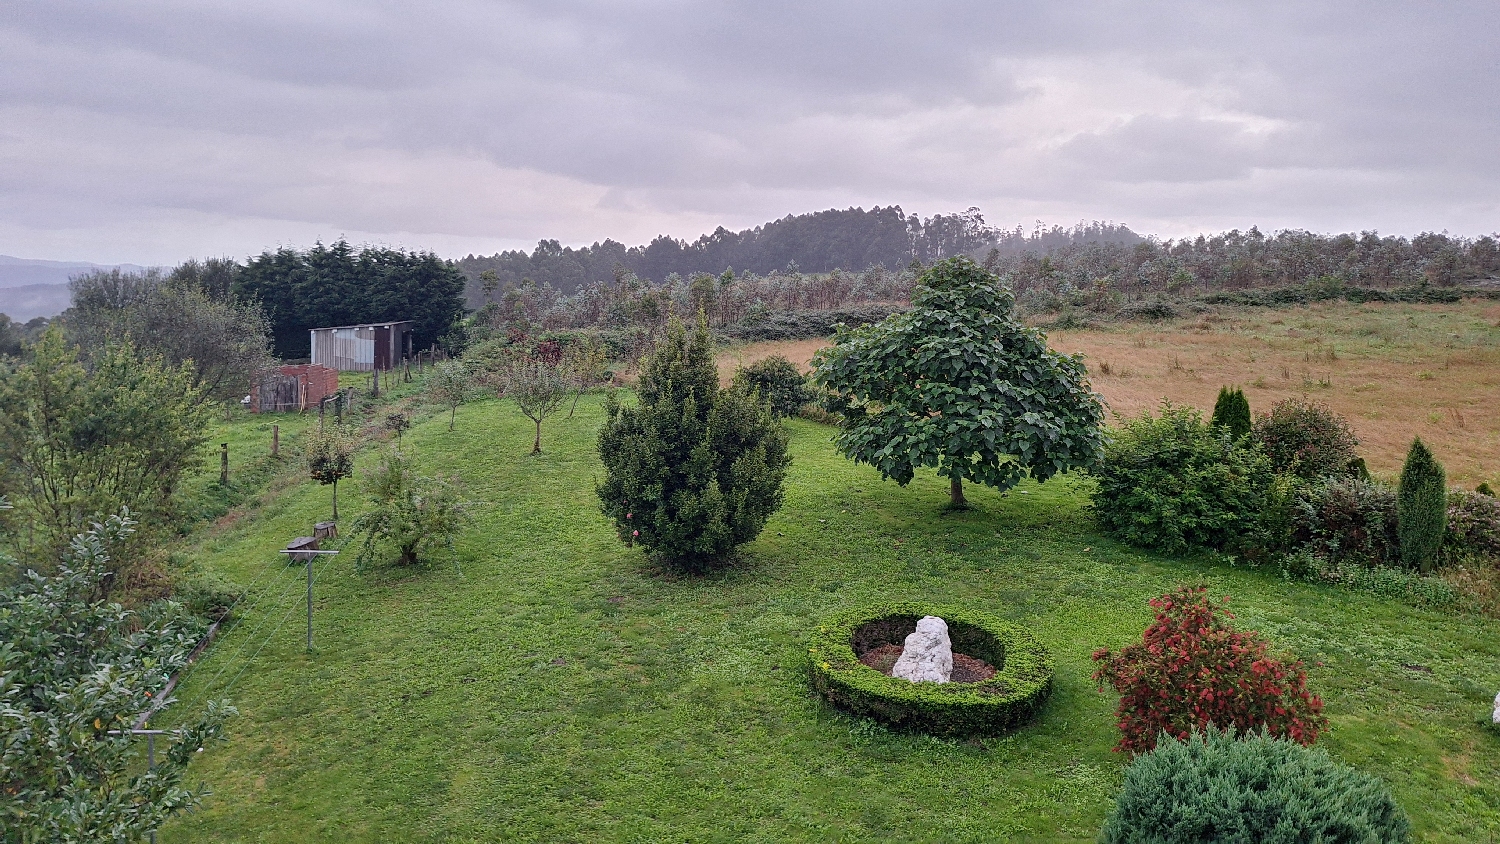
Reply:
x=1496, y=717
x=928, y=655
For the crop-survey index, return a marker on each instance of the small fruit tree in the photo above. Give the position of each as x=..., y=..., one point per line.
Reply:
x=412, y=512
x=449, y=385
x=78, y=671
x=694, y=471
x=958, y=383
x=330, y=457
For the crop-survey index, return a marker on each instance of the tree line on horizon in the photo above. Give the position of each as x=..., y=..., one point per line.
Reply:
x=1059, y=259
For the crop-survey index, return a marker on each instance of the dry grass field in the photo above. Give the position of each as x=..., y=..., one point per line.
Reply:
x=1396, y=371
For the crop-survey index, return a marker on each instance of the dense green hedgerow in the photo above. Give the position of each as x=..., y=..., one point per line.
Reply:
x=1022, y=681
x=1214, y=788
x=1174, y=483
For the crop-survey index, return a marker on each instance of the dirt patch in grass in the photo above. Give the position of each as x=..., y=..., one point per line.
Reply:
x=966, y=669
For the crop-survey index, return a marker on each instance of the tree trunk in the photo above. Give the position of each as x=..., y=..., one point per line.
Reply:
x=536, y=447
x=956, y=492
x=452, y=416
x=335, y=501
x=576, y=394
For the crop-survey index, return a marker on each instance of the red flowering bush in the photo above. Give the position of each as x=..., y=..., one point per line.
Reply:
x=1192, y=669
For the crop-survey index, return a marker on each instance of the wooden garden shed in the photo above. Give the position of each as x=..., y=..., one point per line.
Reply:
x=362, y=348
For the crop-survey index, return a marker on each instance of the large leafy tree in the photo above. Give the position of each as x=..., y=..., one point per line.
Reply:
x=694, y=471
x=76, y=440
x=959, y=384
x=74, y=673
x=187, y=317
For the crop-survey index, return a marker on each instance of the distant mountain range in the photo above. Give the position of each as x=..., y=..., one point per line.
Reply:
x=31, y=288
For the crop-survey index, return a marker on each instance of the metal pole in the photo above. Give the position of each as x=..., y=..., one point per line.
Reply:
x=151, y=765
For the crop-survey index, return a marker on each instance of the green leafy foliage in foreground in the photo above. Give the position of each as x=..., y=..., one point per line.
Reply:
x=1212, y=788
x=72, y=669
x=959, y=384
x=562, y=689
x=1009, y=699
x=77, y=440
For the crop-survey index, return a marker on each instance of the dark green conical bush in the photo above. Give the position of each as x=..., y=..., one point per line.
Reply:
x=1232, y=411
x=1421, y=508
x=694, y=471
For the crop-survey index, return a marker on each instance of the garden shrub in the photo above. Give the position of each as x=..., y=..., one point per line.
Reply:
x=1347, y=520
x=1232, y=412
x=409, y=511
x=1473, y=527
x=1192, y=669
x=1421, y=508
x=1173, y=483
x=208, y=596
x=777, y=381
x=1022, y=681
x=1253, y=789
x=693, y=471
x=1305, y=438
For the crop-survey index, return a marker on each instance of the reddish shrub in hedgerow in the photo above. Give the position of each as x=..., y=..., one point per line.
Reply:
x=1192, y=670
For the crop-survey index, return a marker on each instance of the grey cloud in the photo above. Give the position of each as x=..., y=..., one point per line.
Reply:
x=486, y=123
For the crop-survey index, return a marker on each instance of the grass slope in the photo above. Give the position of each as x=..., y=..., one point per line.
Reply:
x=561, y=690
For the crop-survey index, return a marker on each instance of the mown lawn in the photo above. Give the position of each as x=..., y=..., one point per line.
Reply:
x=560, y=689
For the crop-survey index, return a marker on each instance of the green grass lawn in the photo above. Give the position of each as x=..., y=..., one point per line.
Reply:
x=560, y=689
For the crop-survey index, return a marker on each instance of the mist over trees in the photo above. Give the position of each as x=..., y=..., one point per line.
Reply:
x=851, y=239
x=1059, y=259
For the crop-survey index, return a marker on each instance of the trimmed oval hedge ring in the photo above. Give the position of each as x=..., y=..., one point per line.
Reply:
x=1022, y=680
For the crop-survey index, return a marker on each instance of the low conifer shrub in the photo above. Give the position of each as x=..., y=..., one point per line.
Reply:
x=1192, y=670
x=1215, y=787
x=1421, y=508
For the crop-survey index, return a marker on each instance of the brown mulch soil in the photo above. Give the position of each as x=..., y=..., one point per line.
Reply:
x=966, y=669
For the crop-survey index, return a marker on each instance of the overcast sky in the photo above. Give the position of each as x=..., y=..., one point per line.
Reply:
x=153, y=131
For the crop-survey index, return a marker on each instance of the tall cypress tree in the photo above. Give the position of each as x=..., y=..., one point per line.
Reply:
x=1421, y=508
x=693, y=471
x=1232, y=411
